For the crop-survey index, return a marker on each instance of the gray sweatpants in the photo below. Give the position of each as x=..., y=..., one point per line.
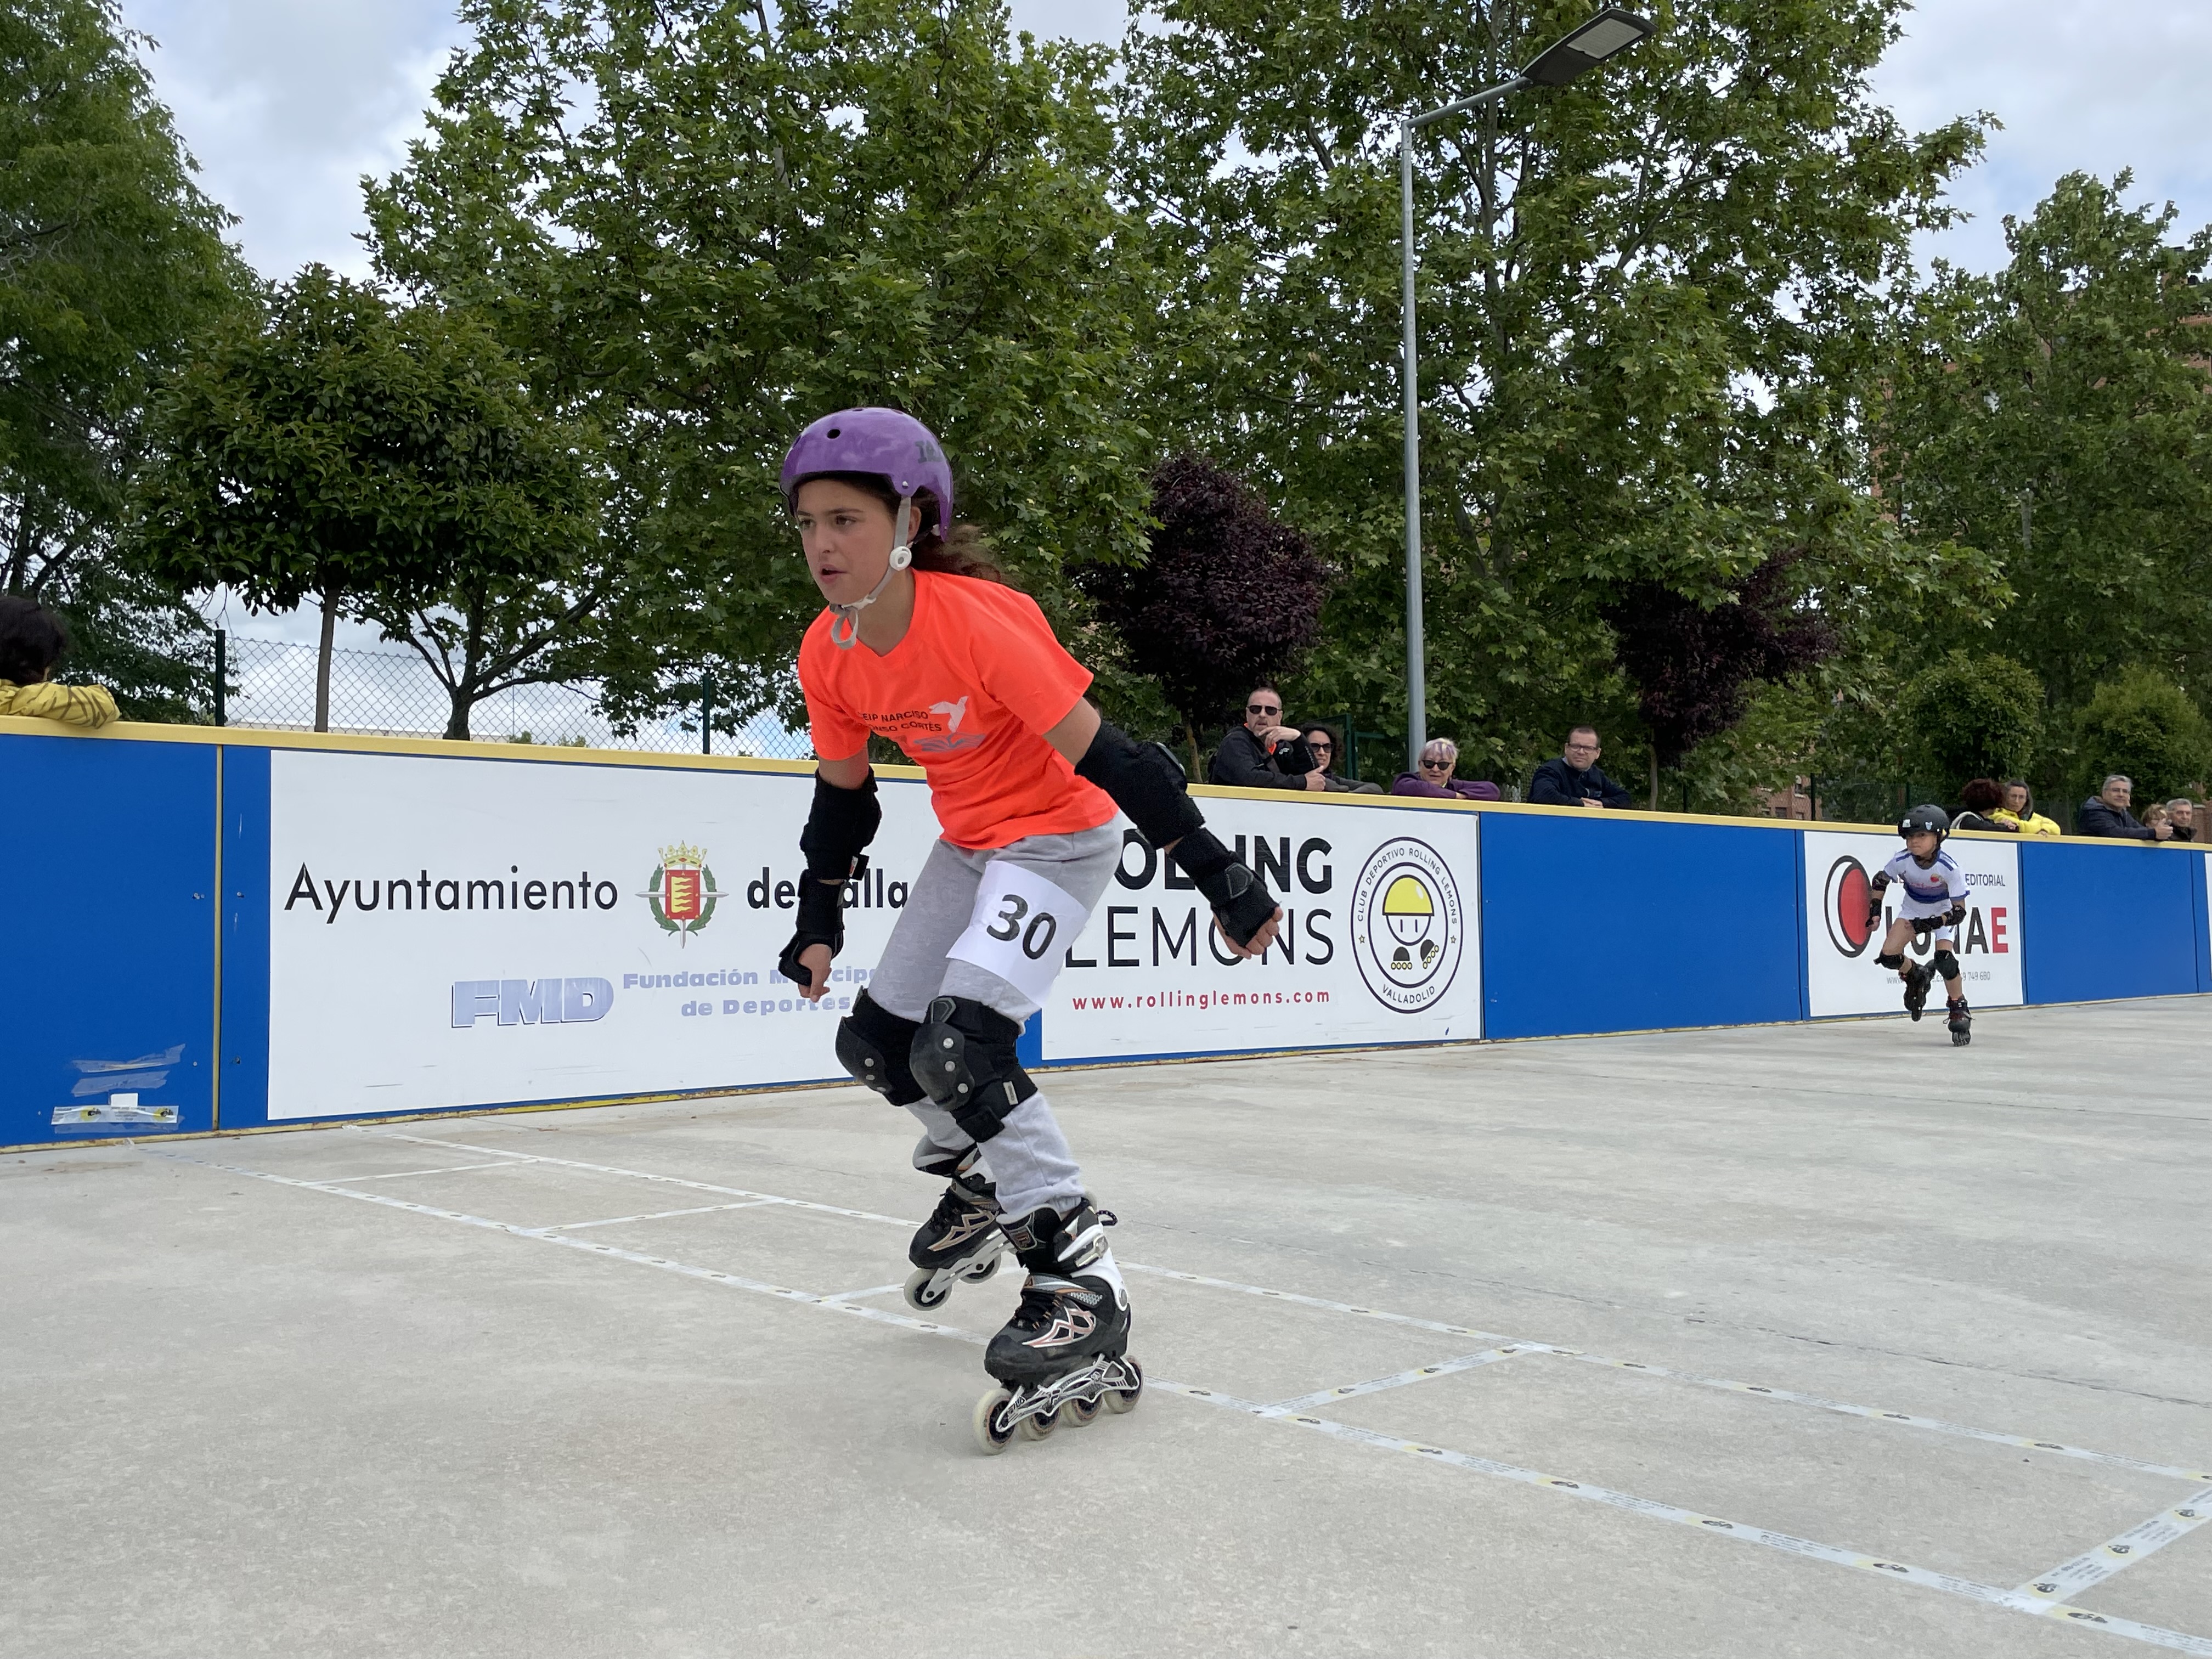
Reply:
x=1028, y=1158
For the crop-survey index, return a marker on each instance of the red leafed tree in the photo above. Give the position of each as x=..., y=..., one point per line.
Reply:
x=1228, y=596
x=1695, y=666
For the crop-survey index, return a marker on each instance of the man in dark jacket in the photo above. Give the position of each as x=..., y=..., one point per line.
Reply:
x=1263, y=753
x=1573, y=780
x=2105, y=813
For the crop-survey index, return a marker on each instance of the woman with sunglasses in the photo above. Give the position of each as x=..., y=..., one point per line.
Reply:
x=1322, y=742
x=924, y=643
x=1439, y=755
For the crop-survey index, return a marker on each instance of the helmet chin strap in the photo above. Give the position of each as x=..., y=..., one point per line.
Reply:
x=845, y=625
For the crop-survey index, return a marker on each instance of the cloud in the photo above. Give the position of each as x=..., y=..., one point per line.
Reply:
x=2080, y=85
x=286, y=105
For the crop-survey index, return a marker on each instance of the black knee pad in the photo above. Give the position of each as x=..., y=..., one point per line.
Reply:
x=874, y=1044
x=1891, y=959
x=1945, y=964
x=963, y=1058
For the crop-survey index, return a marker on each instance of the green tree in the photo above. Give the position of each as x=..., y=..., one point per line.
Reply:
x=109, y=257
x=388, y=462
x=2059, y=416
x=1653, y=309
x=2142, y=724
x=702, y=225
x=1970, y=715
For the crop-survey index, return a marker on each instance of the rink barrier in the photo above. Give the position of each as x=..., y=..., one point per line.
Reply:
x=170, y=974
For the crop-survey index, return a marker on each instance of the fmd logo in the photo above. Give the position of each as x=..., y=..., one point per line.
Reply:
x=1408, y=929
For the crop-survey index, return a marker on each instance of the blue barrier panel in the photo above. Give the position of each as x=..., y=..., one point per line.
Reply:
x=107, y=881
x=244, y=1102
x=2203, y=885
x=1586, y=924
x=2114, y=920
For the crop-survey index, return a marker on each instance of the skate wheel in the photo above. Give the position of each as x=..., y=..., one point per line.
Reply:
x=1039, y=1427
x=1125, y=1399
x=917, y=1291
x=990, y=1434
x=977, y=1274
x=1961, y=1039
x=1081, y=1414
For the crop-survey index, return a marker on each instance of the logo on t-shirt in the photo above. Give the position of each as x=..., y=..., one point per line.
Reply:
x=950, y=741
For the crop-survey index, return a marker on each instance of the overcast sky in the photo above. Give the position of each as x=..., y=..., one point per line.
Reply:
x=287, y=103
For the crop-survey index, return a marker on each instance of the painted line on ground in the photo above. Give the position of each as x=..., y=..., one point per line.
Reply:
x=1786, y=1542
x=661, y=1215
x=2069, y=1578
x=402, y=1175
x=513, y=1229
x=1790, y=1397
x=1871, y=1413
x=1398, y=1380
x=872, y=1290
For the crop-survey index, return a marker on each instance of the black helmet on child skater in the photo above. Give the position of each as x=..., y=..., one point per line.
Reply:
x=1931, y=820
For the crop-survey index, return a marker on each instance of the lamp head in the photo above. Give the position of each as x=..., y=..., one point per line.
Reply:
x=1611, y=31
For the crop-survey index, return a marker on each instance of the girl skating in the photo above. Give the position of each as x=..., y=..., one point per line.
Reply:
x=1935, y=900
x=924, y=643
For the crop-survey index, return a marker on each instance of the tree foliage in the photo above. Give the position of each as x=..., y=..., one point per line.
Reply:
x=1653, y=309
x=1227, y=594
x=2059, y=416
x=1696, y=666
x=2142, y=724
x=386, y=461
x=702, y=225
x=1970, y=715
x=109, y=257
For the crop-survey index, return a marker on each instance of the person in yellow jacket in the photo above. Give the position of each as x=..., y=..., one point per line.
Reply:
x=32, y=641
x=2019, y=808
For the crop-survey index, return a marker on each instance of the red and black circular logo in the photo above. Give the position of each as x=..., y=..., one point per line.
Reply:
x=1844, y=902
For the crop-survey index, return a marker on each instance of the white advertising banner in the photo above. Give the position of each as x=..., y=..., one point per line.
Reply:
x=1379, y=943
x=1841, y=975
x=466, y=932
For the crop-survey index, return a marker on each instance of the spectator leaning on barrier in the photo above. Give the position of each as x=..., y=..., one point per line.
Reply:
x=1263, y=753
x=1439, y=755
x=32, y=641
x=1981, y=804
x=1573, y=779
x=2181, y=812
x=2105, y=813
x=2158, y=821
x=1322, y=742
x=2019, y=810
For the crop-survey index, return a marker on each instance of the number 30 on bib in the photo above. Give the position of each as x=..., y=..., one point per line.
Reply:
x=1021, y=925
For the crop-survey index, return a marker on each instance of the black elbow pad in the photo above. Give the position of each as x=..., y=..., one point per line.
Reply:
x=1143, y=782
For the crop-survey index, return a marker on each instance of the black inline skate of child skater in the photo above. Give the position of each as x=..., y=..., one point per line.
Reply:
x=1935, y=902
x=960, y=1242
x=1064, y=1355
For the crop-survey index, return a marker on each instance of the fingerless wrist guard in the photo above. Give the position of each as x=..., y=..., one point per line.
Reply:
x=839, y=824
x=1240, y=899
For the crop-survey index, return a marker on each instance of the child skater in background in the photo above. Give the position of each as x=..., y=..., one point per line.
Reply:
x=1934, y=899
x=924, y=643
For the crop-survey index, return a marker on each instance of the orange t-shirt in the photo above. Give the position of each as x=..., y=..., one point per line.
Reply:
x=968, y=694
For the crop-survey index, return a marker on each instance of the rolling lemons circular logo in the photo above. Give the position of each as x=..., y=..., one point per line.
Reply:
x=1409, y=930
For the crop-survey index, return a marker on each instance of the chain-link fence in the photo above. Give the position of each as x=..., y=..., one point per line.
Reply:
x=271, y=685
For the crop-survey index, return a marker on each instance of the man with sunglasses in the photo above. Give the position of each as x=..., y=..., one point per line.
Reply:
x=1263, y=753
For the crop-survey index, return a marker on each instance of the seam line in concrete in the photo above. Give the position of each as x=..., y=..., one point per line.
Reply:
x=662, y=1215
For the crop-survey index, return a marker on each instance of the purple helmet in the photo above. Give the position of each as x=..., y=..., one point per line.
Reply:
x=895, y=447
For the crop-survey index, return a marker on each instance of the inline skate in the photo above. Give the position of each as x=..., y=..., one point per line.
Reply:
x=960, y=1242
x=1063, y=1356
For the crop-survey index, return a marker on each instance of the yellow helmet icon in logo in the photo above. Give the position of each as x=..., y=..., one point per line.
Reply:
x=1408, y=908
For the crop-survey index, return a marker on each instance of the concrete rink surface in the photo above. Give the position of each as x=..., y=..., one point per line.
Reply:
x=1820, y=1340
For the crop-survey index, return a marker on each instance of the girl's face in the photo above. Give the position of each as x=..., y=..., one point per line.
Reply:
x=846, y=534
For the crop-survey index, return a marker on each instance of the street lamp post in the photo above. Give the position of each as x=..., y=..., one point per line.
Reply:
x=1612, y=30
